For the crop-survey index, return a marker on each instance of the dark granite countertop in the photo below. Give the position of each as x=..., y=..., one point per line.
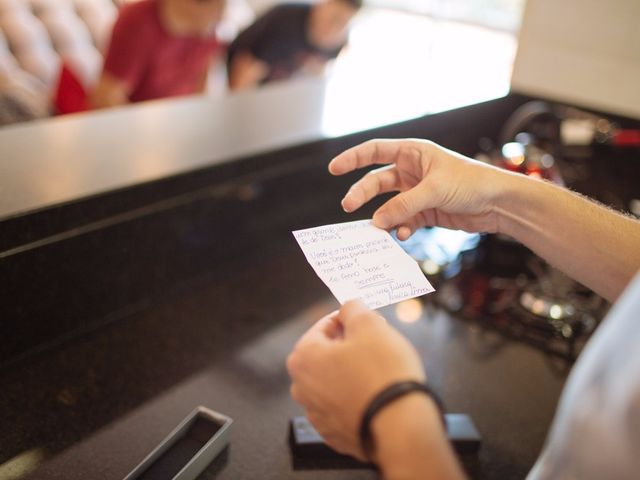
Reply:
x=95, y=406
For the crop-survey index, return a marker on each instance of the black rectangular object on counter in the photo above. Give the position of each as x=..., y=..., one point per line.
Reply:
x=307, y=444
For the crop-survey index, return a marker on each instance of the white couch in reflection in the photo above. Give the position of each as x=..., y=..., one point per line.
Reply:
x=37, y=35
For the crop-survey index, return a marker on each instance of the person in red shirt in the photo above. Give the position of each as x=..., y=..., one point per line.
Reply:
x=159, y=48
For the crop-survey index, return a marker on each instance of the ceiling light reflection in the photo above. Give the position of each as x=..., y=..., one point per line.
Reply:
x=409, y=311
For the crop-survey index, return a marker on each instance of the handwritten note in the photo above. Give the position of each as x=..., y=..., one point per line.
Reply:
x=359, y=261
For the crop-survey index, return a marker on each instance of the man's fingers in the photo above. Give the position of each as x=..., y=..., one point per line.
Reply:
x=373, y=152
x=409, y=227
x=404, y=232
x=325, y=328
x=316, y=339
x=403, y=207
x=355, y=316
x=381, y=152
x=332, y=327
x=381, y=180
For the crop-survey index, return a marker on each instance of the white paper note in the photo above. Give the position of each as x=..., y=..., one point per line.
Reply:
x=359, y=261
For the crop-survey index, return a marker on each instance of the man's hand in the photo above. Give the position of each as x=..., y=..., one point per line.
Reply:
x=339, y=366
x=590, y=243
x=437, y=186
x=341, y=363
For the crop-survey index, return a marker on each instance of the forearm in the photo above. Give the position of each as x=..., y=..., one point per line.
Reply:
x=591, y=243
x=203, y=82
x=246, y=71
x=109, y=92
x=410, y=442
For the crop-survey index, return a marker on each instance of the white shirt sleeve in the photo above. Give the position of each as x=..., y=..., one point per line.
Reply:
x=596, y=430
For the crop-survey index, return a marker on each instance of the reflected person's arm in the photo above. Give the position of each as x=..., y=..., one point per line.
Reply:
x=203, y=81
x=109, y=92
x=246, y=71
x=591, y=243
x=315, y=65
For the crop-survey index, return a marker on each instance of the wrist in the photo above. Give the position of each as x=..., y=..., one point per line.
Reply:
x=518, y=203
x=403, y=432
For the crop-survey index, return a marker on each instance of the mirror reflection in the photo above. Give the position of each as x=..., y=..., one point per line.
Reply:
x=68, y=56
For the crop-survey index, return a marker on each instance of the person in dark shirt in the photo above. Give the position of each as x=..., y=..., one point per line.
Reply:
x=290, y=38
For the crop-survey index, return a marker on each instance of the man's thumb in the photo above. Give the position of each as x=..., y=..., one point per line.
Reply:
x=355, y=316
x=399, y=209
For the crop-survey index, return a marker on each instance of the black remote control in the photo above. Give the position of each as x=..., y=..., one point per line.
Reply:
x=310, y=451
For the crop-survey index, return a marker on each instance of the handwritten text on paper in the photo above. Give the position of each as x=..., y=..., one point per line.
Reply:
x=359, y=261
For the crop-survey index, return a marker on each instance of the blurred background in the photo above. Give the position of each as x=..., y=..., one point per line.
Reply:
x=463, y=49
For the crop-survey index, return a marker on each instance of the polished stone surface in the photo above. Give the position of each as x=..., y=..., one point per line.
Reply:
x=95, y=406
